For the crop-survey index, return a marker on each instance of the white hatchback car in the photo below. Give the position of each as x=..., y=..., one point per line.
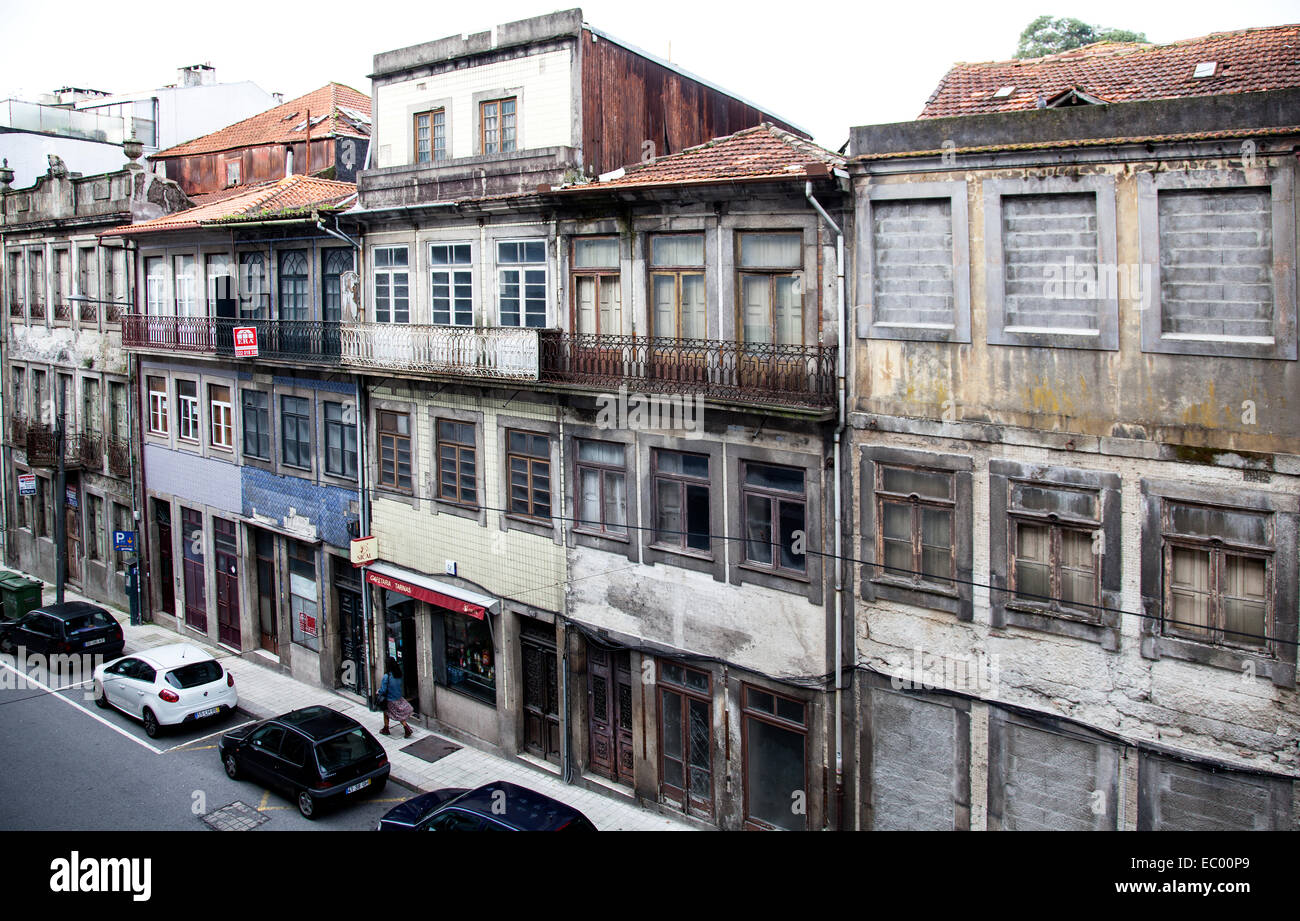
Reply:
x=166, y=686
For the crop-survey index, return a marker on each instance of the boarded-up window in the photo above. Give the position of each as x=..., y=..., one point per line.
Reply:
x=1176, y=796
x=912, y=272
x=914, y=764
x=1050, y=255
x=1216, y=257
x=1049, y=779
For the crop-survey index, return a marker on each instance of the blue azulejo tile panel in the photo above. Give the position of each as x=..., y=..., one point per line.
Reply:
x=326, y=508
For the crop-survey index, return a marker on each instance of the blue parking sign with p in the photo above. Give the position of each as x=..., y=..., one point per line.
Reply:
x=124, y=540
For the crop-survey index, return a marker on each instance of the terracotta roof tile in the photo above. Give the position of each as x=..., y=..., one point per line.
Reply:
x=761, y=152
x=285, y=123
x=287, y=197
x=1249, y=60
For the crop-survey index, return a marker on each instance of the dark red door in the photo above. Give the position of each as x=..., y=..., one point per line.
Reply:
x=166, y=569
x=196, y=605
x=227, y=560
x=609, y=696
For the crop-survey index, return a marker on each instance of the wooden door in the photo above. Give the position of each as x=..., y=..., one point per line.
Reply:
x=73, y=527
x=196, y=606
x=227, y=563
x=609, y=696
x=268, y=610
x=352, y=633
x=166, y=569
x=541, y=693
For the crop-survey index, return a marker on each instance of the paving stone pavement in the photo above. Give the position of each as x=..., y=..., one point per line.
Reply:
x=264, y=692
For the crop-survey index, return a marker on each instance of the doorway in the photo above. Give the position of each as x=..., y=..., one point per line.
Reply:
x=609, y=699
x=196, y=605
x=166, y=581
x=268, y=610
x=227, y=564
x=541, y=692
x=72, y=527
x=401, y=643
x=352, y=629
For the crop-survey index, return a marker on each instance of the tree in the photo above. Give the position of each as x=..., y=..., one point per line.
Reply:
x=1046, y=35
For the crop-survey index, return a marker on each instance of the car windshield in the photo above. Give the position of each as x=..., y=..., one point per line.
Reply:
x=88, y=621
x=346, y=749
x=195, y=674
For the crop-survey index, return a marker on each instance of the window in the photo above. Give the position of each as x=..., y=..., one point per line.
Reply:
x=36, y=283
x=122, y=521
x=431, y=136
x=117, y=421
x=14, y=282
x=915, y=509
x=232, y=173
x=304, y=595
x=775, y=745
x=686, y=737
x=1219, y=576
x=94, y=527
x=771, y=293
x=470, y=657
x=88, y=283
x=340, y=440
x=221, y=285
x=677, y=286
x=187, y=408
x=115, y=284
x=394, y=434
x=1215, y=280
x=1052, y=242
x=252, y=286
x=602, y=487
x=158, y=406
x=61, y=283
x=92, y=410
x=522, y=283
x=392, y=285
x=334, y=262
x=221, y=417
x=457, y=463
x=295, y=431
x=681, y=498
x=293, y=286
x=20, y=391
x=187, y=289
x=773, y=500
x=529, y=459
x=919, y=261
x=1054, y=550
x=257, y=424
x=497, y=125
x=597, y=289
x=155, y=285
x=452, y=286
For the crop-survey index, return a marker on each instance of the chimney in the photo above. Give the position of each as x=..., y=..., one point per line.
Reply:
x=197, y=75
x=279, y=98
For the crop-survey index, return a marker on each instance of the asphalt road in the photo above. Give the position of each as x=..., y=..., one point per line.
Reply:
x=67, y=765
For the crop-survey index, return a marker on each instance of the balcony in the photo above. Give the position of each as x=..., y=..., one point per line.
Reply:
x=295, y=341
x=90, y=451
x=17, y=430
x=63, y=310
x=498, y=353
x=38, y=310
x=119, y=457
x=754, y=373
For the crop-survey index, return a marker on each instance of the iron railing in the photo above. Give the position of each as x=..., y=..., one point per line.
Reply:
x=16, y=308
x=119, y=456
x=313, y=341
x=497, y=352
x=89, y=312
x=41, y=449
x=63, y=310
x=764, y=373
x=113, y=312
x=92, y=451
x=37, y=310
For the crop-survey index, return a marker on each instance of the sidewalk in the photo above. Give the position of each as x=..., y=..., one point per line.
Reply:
x=264, y=692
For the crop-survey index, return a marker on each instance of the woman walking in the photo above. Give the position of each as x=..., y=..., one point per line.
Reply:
x=390, y=696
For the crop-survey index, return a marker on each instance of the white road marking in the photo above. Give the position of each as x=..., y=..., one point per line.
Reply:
x=209, y=735
x=89, y=713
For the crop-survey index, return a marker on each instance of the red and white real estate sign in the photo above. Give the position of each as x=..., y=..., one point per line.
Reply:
x=245, y=341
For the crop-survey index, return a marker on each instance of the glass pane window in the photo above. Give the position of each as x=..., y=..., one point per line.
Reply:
x=775, y=747
x=334, y=262
x=186, y=276
x=528, y=459
x=187, y=409
x=457, y=462
x=155, y=286
x=431, y=136
x=340, y=440
x=257, y=424
x=452, y=287
x=294, y=303
x=595, y=252
x=304, y=595
x=681, y=497
x=914, y=513
x=774, y=506
x=497, y=125
x=295, y=431
x=221, y=280
x=771, y=250
x=252, y=286
x=158, y=405
x=394, y=437
x=221, y=417
x=522, y=283
x=602, y=487
x=392, y=277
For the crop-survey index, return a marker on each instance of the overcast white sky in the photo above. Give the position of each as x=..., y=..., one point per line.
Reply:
x=823, y=66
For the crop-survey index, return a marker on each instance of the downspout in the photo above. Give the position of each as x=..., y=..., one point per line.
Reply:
x=839, y=567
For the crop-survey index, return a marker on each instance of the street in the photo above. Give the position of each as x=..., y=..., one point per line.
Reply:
x=68, y=765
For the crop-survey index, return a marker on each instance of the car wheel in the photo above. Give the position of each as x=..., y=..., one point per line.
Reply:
x=307, y=805
x=151, y=727
x=101, y=699
x=379, y=786
x=232, y=766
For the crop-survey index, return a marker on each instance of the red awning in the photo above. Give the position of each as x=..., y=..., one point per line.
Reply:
x=420, y=592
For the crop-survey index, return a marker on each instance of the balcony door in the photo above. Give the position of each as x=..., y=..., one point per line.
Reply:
x=609, y=699
x=771, y=313
x=597, y=309
x=678, y=311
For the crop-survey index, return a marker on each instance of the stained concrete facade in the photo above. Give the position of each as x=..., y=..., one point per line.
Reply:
x=64, y=291
x=1045, y=402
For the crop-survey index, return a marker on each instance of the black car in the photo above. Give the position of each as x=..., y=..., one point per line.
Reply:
x=71, y=628
x=315, y=755
x=496, y=806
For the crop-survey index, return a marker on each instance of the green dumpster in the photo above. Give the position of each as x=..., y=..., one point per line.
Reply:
x=18, y=595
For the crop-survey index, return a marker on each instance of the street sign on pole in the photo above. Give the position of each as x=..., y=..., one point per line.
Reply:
x=245, y=341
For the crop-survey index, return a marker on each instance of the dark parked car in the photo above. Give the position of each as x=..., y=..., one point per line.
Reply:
x=315, y=755
x=496, y=806
x=71, y=628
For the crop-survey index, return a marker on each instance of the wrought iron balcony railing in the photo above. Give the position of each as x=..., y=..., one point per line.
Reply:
x=761, y=373
x=119, y=456
x=91, y=451
x=16, y=308
x=37, y=310
x=17, y=434
x=304, y=341
x=89, y=312
x=498, y=352
x=41, y=449
x=63, y=310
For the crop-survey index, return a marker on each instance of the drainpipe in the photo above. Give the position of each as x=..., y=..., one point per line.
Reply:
x=839, y=566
